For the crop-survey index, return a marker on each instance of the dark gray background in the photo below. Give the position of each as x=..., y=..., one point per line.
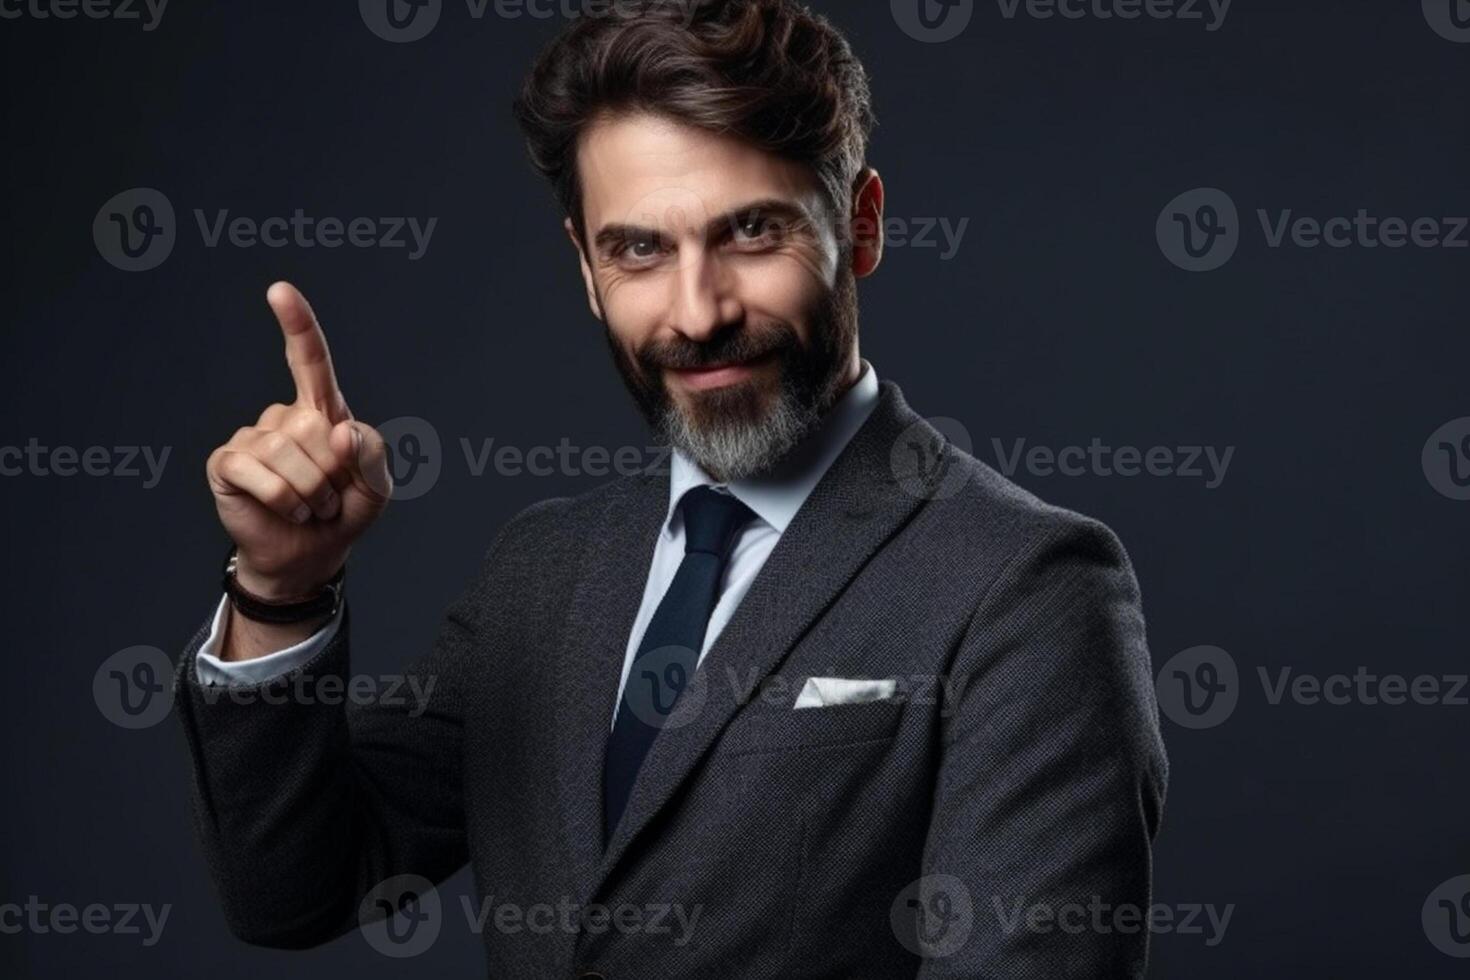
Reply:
x=1059, y=320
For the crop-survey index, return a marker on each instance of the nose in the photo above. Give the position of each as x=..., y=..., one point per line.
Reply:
x=704, y=300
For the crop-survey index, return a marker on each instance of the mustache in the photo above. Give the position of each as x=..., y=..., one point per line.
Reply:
x=733, y=346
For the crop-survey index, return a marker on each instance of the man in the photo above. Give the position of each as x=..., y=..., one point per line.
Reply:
x=828, y=699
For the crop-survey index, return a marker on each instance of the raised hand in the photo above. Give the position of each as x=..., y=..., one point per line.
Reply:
x=298, y=487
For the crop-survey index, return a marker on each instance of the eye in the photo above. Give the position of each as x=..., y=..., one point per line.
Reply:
x=756, y=229
x=638, y=252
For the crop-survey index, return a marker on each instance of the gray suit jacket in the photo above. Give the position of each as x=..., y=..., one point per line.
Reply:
x=1020, y=769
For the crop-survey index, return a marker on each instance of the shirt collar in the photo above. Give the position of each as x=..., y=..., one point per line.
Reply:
x=776, y=497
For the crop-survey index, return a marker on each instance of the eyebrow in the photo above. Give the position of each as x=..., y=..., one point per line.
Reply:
x=609, y=235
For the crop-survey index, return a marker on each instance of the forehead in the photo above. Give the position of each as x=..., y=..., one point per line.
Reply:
x=634, y=167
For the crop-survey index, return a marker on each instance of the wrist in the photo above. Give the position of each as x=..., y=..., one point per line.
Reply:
x=280, y=601
x=276, y=588
x=248, y=639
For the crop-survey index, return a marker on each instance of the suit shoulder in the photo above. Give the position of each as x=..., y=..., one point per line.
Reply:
x=1026, y=522
x=560, y=521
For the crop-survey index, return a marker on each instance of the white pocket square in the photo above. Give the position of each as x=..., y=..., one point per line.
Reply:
x=820, y=692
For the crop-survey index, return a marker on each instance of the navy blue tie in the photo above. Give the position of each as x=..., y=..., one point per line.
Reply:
x=669, y=651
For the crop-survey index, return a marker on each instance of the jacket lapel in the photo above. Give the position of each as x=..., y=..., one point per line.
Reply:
x=860, y=502
x=610, y=580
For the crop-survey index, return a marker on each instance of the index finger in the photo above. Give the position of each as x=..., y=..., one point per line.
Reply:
x=306, y=352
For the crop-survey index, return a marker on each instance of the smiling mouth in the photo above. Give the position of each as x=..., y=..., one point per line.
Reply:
x=711, y=376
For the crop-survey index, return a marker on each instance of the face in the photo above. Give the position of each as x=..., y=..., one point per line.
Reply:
x=726, y=287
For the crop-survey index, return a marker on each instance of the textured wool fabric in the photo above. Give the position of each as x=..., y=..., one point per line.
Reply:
x=806, y=842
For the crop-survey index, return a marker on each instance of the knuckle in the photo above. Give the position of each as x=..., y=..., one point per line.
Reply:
x=305, y=424
x=273, y=443
x=225, y=470
x=316, y=487
x=273, y=412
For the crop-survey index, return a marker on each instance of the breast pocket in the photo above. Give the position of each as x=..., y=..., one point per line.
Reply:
x=764, y=728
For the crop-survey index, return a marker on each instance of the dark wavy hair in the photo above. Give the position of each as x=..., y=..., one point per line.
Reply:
x=769, y=72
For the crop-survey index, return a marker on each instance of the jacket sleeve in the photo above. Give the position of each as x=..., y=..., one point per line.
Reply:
x=1053, y=775
x=307, y=794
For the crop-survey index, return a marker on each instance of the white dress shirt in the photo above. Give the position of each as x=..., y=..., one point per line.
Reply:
x=774, y=499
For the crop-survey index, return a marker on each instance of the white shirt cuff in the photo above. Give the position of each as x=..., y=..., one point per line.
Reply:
x=210, y=669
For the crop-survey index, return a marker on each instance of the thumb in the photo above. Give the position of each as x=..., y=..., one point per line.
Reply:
x=365, y=455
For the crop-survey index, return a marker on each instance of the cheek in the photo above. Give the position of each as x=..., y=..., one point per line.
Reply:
x=633, y=311
x=782, y=287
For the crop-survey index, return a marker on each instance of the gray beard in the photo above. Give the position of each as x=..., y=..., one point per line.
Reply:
x=738, y=448
x=728, y=434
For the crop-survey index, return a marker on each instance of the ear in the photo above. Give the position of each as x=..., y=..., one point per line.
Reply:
x=587, y=279
x=867, y=223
